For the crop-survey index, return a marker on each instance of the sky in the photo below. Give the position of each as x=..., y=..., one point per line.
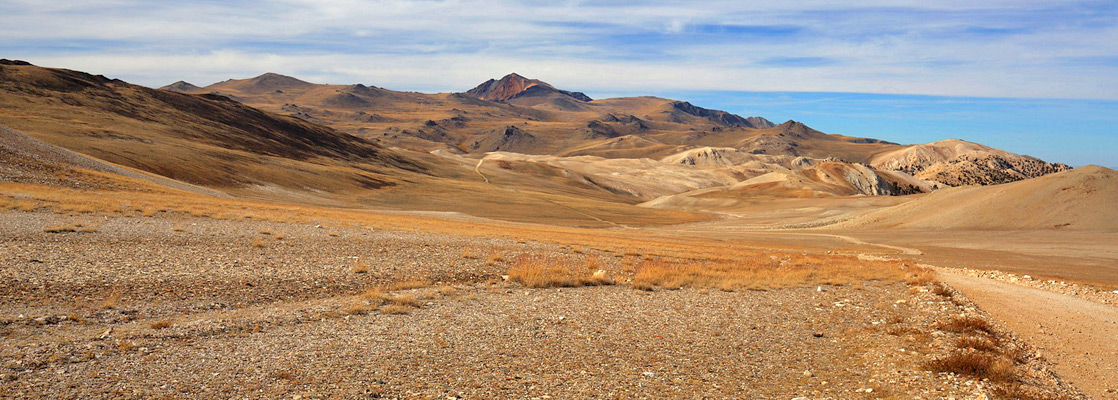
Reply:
x=1037, y=77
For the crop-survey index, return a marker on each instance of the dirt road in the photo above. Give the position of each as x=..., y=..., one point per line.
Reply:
x=1076, y=335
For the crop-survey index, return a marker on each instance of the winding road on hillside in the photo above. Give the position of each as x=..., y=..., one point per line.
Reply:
x=1078, y=336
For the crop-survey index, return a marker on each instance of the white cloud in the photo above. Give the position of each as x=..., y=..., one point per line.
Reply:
x=907, y=47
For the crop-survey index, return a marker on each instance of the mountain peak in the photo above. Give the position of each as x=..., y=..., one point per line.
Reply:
x=272, y=78
x=514, y=85
x=181, y=86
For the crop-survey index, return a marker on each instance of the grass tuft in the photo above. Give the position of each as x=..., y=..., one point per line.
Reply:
x=967, y=324
x=974, y=364
x=542, y=272
x=792, y=270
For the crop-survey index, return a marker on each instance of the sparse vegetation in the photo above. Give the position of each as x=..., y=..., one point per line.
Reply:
x=966, y=324
x=760, y=273
x=357, y=308
x=942, y=290
x=259, y=243
x=541, y=272
x=494, y=258
x=394, y=309
x=974, y=364
x=980, y=343
x=77, y=227
x=113, y=300
x=161, y=324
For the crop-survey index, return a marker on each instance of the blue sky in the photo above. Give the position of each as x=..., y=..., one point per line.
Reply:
x=1031, y=76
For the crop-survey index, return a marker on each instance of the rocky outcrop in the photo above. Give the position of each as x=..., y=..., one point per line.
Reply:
x=722, y=117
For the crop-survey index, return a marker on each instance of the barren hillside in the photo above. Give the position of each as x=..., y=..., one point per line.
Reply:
x=1078, y=199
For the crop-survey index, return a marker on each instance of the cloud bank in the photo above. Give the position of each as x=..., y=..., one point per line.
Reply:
x=1001, y=48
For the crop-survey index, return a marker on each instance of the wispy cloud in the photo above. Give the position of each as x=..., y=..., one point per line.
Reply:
x=1001, y=48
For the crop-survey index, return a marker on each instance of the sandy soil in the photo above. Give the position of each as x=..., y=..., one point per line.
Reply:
x=1077, y=335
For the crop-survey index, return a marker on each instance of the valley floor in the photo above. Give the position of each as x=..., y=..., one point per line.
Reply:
x=195, y=307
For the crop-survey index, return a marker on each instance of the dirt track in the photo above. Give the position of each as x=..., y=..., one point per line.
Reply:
x=1076, y=335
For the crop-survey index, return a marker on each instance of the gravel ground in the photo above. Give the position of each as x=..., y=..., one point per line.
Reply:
x=204, y=313
x=1092, y=293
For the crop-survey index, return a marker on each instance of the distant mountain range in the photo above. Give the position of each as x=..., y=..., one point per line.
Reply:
x=323, y=141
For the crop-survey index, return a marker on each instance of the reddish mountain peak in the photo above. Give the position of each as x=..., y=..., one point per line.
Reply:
x=513, y=85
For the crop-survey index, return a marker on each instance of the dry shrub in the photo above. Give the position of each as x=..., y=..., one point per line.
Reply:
x=178, y=229
x=333, y=234
x=974, y=364
x=409, y=284
x=980, y=343
x=759, y=273
x=541, y=272
x=402, y=300
x=374, y=293
x=448, y=291
x=919, y=276
x=966, y=324
x=357, y=309
x=494, y=258
x=161, y=325
x=265, y=231
x=111, y=301
x=942, y=290
x=73, y=227
x=469, y=255
x=259, y=243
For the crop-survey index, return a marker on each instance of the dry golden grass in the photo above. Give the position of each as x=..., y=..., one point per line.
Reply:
x=966, y=324
x=974, y=364
x=394, y=309
x=448, y=291
x=113, y=300
x=469, y=254
x=357, y=308
x=259, y=243
x=541, y=272
x=160, y=324
x=178, y=229
x=494, y=258
x=980, y=343
x=920, y=276
x=762, y=273
x=265, y=231
x=402, y=300
x=374, y=294
x=333, y=234
x=942, y=290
